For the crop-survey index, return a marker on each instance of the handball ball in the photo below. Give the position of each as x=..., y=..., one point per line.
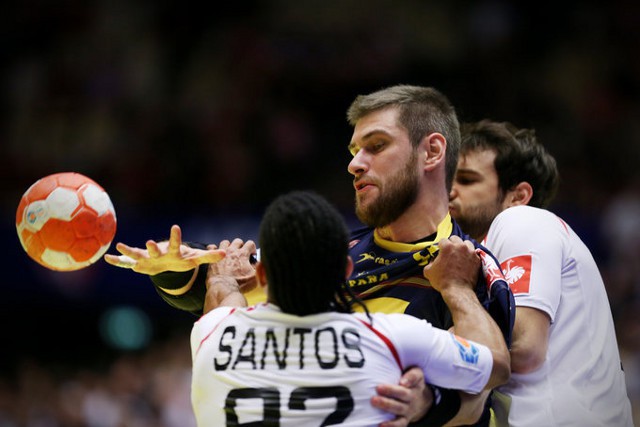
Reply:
x=65, y=221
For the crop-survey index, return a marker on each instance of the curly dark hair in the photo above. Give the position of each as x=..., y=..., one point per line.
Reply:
x=304, y=248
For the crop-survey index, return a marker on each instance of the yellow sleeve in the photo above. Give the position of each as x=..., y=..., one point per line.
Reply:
x=256, y=295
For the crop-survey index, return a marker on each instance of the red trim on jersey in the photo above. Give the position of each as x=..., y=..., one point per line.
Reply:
x=213, y=330
x=564, y=224
x=385, y=340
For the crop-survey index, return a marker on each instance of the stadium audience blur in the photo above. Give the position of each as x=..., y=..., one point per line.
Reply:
x=200, y=116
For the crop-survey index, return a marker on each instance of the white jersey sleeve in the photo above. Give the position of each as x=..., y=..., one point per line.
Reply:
x=530, y=244
x=447, y=360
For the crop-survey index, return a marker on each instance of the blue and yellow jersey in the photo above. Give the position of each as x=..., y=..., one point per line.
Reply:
x=388, y=277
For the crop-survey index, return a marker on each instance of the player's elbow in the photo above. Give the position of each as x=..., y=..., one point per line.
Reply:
x=501, y=370
x=524, y=362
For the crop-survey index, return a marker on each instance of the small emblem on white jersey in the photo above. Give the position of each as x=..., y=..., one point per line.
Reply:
x=517, y=272
x=469, y=353
x=513, y=273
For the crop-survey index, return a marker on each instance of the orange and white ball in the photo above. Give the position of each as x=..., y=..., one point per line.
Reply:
x=66, y=221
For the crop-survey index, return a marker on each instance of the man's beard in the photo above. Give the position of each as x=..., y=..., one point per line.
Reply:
x=396, y=196
x=477, y=219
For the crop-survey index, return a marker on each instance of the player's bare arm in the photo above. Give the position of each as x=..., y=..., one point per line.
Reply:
x=159, y=257
x=530, y=340
x=223, y=291
x=454, y=273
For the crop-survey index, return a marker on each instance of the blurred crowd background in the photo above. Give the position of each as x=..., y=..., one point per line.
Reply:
x=200, y=114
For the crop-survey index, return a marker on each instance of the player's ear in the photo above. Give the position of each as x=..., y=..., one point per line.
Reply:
x=349, y=267
x=434, y=147
x=261, y=275
x=520, y=195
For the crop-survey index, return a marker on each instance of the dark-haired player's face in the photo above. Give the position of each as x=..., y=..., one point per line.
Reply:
x=385, y=169
x=475, y=197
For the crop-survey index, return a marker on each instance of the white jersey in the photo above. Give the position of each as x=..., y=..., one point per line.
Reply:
x=549, y=268
x=259, y=365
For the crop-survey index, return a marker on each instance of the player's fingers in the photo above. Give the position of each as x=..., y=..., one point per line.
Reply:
x=412, y=377
x=391, y=406
x=122, y=247
x=111, y=259
x=212, y=256
x=443, y=245
x=455, y=239
x=469, y=245
x=426, y=269
x=398, y=422
x=224, y=244
x=153, y=249
x=394, y=392
x=130, y=251
x=237, y=243
x=250, y=246
x=121, y=261
x=175, y=239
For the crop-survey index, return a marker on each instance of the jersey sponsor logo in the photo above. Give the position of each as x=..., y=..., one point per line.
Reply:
x=469, y=353
x=371, y=256
x=365, y=256
x=517, y=272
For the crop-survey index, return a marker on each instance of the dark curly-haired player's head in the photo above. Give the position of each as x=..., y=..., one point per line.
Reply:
x=304, y=249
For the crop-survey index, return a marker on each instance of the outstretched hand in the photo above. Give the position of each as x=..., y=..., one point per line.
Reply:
x=159, y=257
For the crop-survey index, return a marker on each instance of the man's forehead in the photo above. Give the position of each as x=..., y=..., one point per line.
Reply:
x=477, y=155
x=477, y=162
x=387, y=116
x=377, y=122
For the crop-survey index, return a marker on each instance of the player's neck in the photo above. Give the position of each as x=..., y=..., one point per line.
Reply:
x=417, y=222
